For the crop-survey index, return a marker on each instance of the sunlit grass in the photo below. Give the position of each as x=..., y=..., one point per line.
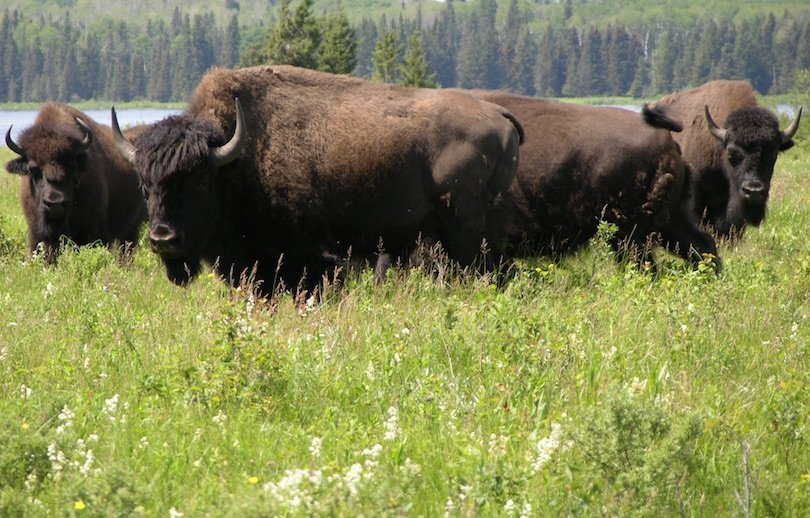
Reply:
x=581, y=387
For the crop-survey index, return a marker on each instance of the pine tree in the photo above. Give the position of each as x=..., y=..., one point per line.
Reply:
x=509, y=41
x=524, y=63
x=367, y=35
x=385, y=58
x=338, y=52
x=663, y=64
x=295, y=39
x=229, y=53
x=442, y=43
x=414, y=69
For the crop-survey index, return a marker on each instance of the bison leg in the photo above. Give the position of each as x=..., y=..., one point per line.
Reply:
x=683, y=237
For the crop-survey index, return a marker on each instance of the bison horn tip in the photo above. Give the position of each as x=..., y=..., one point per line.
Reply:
x=231, y=150
x=13, y=145
x=124, y=146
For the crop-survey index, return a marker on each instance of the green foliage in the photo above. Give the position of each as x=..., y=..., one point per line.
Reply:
x=385, y=58
x=338, y=51
x=414, y=67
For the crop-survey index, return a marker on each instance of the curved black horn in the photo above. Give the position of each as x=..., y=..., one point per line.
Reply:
x=230, y=151
x=88, y=132
x=13, y=145
x=719, y=133
x=124, y=146
x=793, y=128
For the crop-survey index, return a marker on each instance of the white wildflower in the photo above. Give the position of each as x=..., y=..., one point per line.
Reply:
x=31, y=481
x=353, y=477
x=3, y=354
x=111, y=407
x=392, y=429
x=374, y=451
x=449, y=507
x=89, y=458
x=143, y=443
x=527, y=510
x=174, y=513
x=611, y=353
x=25, y=392
x=370, y=371
x=58, y=461
x=464, y=491
x=509, y=506
x=547, y=446
x=411, y=468
x=49, y=290
x=315, y=447
x=220, y=418
x=636, y=386
x=497, y=444
x=65, y=418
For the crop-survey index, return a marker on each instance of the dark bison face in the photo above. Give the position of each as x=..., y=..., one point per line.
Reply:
x=52, y=158
x=177, y=161
x=751, y=142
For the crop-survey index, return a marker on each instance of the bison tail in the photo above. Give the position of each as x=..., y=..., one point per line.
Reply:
x=657, y=117
x=516, y=124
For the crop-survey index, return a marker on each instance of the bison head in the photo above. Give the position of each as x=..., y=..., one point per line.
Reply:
x=177, y=161
x=52, y=157
x=751, y=141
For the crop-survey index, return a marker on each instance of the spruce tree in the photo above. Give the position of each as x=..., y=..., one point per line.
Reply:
x=385, y=58
x=295, y=39
x=338, y=51
x=414, y=70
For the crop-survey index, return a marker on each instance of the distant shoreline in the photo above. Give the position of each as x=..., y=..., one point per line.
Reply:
x=97, y=105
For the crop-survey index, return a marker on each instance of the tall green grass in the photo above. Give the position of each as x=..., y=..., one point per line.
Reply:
x=582, y=387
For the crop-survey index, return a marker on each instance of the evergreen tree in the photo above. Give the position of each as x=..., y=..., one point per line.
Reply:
x=385, y=58
x=295, y=39
x=10, y=68
x=663, y=64
x=367, y=35
x=509, y=41
x=414, y=69
x=442, y=46
x=338, y=52
x=524, y=64
x=229, y=53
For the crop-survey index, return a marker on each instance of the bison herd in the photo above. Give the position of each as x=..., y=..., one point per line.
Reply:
x=283, y=174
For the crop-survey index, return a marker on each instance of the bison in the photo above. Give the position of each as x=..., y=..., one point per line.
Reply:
x=75, y=183
x=583, y=164
x=732, y=165
x=318, y=165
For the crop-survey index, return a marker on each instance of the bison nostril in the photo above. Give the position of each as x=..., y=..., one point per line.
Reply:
x=163, y=237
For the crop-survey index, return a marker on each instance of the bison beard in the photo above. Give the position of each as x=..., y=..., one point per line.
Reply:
x=181, y=271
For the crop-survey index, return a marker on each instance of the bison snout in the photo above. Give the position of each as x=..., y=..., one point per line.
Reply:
x=754, y=192
x=165, y=240
x=54, y=207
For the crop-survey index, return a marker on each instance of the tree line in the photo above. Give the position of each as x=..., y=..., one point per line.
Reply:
x=45, y=59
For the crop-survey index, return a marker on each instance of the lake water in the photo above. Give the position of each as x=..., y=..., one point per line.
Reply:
x=127, y=117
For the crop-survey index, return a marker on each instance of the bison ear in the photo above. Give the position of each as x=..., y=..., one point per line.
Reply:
x=17, y=166
x=786, y=145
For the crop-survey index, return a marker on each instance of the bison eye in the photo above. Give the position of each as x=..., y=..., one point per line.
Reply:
x=735, y=156
x=35, y=172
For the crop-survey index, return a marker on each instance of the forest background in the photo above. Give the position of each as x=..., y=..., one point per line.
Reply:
x=74, y=50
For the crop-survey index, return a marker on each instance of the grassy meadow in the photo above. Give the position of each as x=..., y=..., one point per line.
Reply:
x=583, y=387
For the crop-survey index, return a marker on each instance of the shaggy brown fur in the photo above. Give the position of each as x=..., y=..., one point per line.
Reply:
x=583, y=164
x=84, y=193
x=731, y=178
x=331, y=164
